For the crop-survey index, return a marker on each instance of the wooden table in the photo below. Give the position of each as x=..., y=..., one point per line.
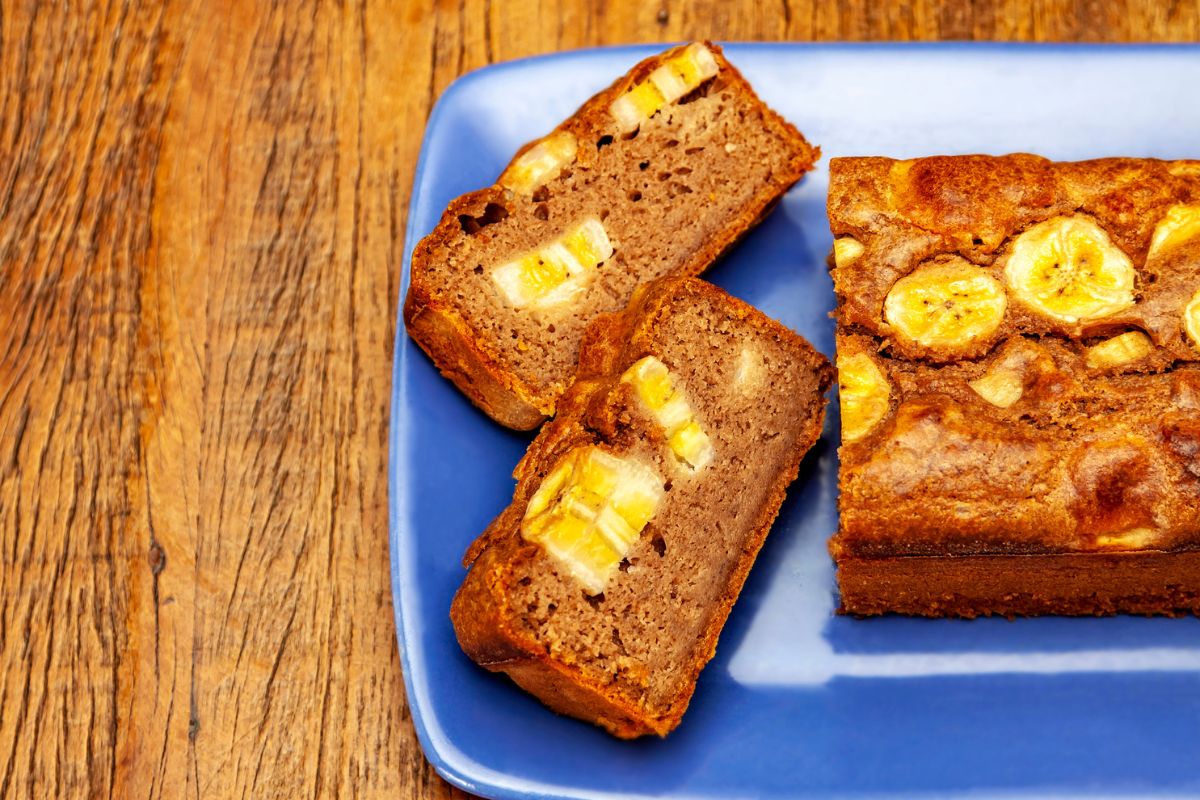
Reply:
x=200, y=217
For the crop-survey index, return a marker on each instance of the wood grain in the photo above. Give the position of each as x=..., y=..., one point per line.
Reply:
x=200, y=207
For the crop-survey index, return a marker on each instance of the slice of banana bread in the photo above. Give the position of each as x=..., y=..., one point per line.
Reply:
x=1019, y=363
x=640, y=508
x=656, y=175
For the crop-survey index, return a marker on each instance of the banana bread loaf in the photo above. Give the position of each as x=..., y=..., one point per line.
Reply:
x=658, y=174
x=640, y=508
x=1019, y=366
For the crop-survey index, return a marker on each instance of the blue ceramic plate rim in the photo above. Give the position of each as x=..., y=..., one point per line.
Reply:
x=450, y=763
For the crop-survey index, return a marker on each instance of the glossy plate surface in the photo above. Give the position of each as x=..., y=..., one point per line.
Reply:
x=799, y=702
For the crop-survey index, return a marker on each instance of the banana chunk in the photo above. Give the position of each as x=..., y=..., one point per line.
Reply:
x=1119, y=350
x=540, y=163
x=1191, y=319
x=589, y=510
x=865, y=395
x=1178, y=225
x=666, y=84
x=558, y=271
x=1002, y=386
x=1132, y=539
x=1068, y=269
x=946, y=307
x=846, y=249
x=657, y=390
x=748, y=373
x=1018, y=365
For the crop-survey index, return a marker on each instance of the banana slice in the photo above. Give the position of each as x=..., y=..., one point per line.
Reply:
x=865, y=395
x=558, y=271
x=947, y=307
x=1191, y=319
x=1180, y=223
x=1119, y=350
x=540, y=163
x=589, y=510
x=656, y=388
x=1068, y=269
x=670, y=81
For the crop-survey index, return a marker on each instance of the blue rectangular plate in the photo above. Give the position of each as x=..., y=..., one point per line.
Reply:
x=799, y=702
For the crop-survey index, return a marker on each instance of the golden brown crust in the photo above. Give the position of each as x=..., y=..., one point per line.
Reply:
x=468, y=356
x=908, y=213
x=1080, y=458
x=1083, y=456
x=488, y=628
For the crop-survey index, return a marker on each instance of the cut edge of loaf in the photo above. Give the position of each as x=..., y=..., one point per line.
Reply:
x=1144, y=582
x=480, y=612
x=466, y=360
